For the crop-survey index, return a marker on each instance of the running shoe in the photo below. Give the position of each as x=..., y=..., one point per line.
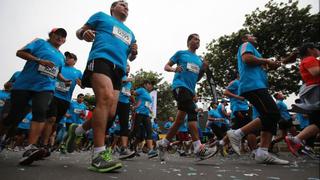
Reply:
x=270, y=159
x=126, y=154
x=292, y=146
x=152, y=153
x=161, y=150
x=30, y=155
x=71, y=141
x=205, y=152
x=235, y=141
x=103, y=162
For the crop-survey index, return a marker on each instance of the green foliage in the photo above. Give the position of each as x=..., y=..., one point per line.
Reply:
x=142, y=75
x=166, y=107
x=279, y=27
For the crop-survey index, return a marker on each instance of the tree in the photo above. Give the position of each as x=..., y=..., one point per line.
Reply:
x=280, y=27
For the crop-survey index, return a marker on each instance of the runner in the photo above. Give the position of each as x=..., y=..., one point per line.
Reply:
x=188, y=71
x=113, y=44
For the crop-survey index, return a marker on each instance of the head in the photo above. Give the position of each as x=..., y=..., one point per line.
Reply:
x=249, y=38
x=224, y=102
x=119, y=9
x=71, y=58
x=279, y=96
x=309, y=49
x=80, y=98
x=128, y=69
x=148, y=85
x=171, y=119
x=193, y=41
x=213, y=104
x=57, y=36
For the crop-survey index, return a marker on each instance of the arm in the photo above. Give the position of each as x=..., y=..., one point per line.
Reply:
x=168, y=67
x=133, y=51
x=63, y=79
x=29, y=57
x=230, y=94
x=86, y=33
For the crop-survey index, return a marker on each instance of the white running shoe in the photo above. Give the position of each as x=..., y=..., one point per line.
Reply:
x=235, y=141
x=270, y=159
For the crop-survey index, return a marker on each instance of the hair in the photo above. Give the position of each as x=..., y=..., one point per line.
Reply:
x=80, y=95
x=276, y=95
x=304, y=48
x=114, y=5
x=191, y=36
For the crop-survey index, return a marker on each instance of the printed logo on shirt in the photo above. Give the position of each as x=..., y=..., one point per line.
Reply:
x=193, y=68
x=122, y=35
x=61, y=86
x=51, y=72
x=77, y=111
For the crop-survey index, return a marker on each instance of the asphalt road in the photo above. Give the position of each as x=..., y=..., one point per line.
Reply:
x=74, y=167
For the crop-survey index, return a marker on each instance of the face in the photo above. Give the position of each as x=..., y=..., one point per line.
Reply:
x=70, y=61
x=149, y=86
x=57, y=39
x=281, y=96
x=194, y=43
x=121, y=10
x=80, y=99
x=251, y=39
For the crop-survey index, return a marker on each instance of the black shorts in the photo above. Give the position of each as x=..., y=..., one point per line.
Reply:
x=21, y=131
x=285, y=124
x=241, y=118
x=58, y=108
x=103, y=66
x=184, y=98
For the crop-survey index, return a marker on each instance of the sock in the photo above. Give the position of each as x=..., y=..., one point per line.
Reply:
x=97, y=150
x=79, y=131
x=196, y=145
x=262, y=151
x=221, y=142
x=238, y=132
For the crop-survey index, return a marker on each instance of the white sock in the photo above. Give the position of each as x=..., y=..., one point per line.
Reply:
x=196, y=145
x=31, y=146
x=238, y=132
x=262, y=151
x=297, y=140
x=221, y=142
x=79, y=131
x=97, y=150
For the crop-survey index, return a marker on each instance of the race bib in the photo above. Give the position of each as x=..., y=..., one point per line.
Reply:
x=51, y=72
x=193, y=68
x=147, y=104
x=61, y=86
x=2, y=103
x=122, y=35
x=126, y=91
x=77, y=111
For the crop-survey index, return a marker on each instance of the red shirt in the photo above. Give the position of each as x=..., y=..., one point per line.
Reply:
x=306, y=64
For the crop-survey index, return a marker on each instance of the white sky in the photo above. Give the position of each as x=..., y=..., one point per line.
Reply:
x=161, y=27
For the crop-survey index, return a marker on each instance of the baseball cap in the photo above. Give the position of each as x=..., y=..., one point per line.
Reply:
x=69, y=54
x=59, y=31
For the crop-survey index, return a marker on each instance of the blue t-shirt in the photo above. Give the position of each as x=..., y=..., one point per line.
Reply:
x=251, y=77
x=155, y=128
x=14, y=77
x=283, y=110
x=191, y=65
x=76, y=110
x=219, y=109
x=236, y=104
x=65, y=92
x=35, y=77
x=184, y=126
x=304, y=122
x=26, y=122
x=4, y=95
x=112, y=41
x=168, y=125
x=215, y=114
x=145, y=100
x=125, y=93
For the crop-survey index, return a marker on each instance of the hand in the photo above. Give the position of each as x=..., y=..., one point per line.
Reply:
x=273, y=65
x=68, y=82
x=89, y=35
x=46, y=63
x=134, y=49
x=178, y=69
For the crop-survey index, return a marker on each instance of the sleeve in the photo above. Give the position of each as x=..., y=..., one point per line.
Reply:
x=139, y=91
x=247, y=48
x=94, y=19
x=175, y=57
x=310, y=62
x=232, y=86
x=33, y=46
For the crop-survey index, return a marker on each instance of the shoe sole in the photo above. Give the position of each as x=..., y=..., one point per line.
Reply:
x=70, y=144
x=153, y=156
x=128, y=156
x=34, y=156
x=115, y=167
x=207, y=157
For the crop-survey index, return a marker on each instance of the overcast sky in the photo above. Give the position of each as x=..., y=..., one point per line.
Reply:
x=161, y=27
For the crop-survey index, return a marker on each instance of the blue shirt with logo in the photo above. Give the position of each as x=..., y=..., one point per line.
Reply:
x=35, y=77
x=191, y=65
x=125, y=93
x=112, y=41
x=26, y=122
x=145, y=100
x=76, y=110
x=283, y=110
x=65, y=92
x=252, y=77
x=236, y=104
